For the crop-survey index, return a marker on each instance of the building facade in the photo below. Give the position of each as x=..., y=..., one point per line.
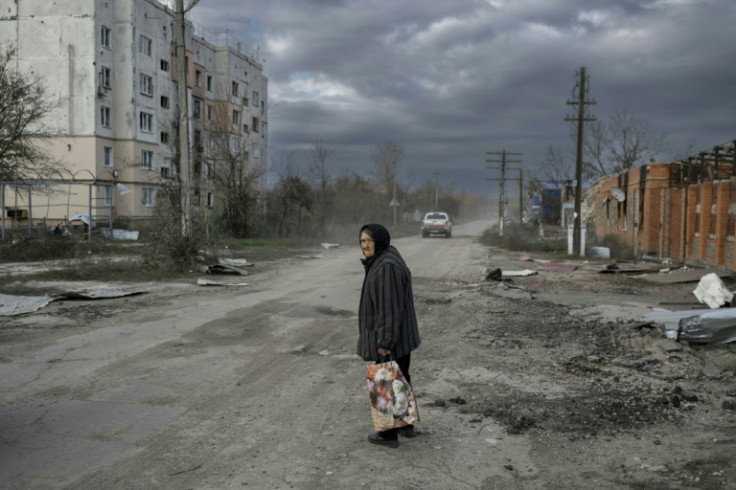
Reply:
x=109, y=69
x=684, y=211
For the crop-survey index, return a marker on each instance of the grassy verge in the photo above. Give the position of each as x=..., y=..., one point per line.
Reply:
x=522, y=238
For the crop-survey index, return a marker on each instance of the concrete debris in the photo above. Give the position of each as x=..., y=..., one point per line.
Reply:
x=712, y=291
x=522, y=273
x=235, y=262
x=11, y=305
x=316, y=256
x=330, y=245
x=18, y=305
x=222, y=269
x=207, y=282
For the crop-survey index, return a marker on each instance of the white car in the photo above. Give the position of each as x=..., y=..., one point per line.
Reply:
x=437, y=223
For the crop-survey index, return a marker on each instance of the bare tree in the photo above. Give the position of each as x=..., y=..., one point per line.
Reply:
x=23, y=104
x=229, y=166
x=386, y=158
x=291, y=202
x=558, y=167
x=618, y=143
x=320, y=176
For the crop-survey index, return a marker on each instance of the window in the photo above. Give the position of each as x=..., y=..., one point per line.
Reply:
x=107, y=195
x=164, y=102
x=198, y=78
x=197, y=109
x=146, y=122
x=234, y=144
x=209, y=83
x=263, y=107
x=147, y=159
x=263, y=128
x=146, y=84
x=245, y=128
x=255, y=150
x=164, y=65
x=235, y=88
x=713, y=210
x=107, y=156
x=236, y=116
x=105, y=77
x=105, y=117
x=210, y=112
x=105, y=36
x=164, y=137
x=210, y=199
x=148, y=196
x=254, y=125
x=256, y=101
x=145, y=45
x=198, y=140
x=165, y=172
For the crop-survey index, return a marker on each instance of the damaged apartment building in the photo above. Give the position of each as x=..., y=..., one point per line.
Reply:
x=109, y=72
x=684, y=210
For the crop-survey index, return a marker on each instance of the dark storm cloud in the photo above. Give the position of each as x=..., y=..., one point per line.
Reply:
x=453, y=80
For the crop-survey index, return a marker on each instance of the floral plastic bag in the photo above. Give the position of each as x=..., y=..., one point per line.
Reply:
x=392, y=400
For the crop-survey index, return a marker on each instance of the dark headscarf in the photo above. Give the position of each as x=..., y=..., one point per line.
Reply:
x=381, y=240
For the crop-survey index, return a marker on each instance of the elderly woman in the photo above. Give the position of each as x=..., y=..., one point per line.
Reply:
x=387, y=322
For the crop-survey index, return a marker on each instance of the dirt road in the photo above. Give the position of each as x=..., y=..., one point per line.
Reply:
x=546, y=382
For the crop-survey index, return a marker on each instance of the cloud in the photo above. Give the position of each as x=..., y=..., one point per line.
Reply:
x=453, y=80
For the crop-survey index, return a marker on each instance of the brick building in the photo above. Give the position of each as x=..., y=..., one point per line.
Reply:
x=685, y=210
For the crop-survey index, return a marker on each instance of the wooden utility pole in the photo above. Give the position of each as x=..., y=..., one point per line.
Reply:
x=185, y=161
x=581, y=86
x=503, y=161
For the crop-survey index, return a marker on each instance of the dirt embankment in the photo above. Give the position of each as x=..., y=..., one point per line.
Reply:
x=606, y=399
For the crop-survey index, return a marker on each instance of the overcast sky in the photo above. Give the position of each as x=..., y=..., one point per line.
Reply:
x=453, y=79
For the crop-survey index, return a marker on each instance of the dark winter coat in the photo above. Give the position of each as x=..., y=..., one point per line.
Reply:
x=386, y=316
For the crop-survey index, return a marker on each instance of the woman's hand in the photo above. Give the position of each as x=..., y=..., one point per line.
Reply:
x=383, y=352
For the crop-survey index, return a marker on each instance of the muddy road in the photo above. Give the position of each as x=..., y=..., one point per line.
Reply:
x=549, y=381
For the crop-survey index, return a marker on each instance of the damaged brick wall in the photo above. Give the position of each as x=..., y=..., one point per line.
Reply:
x=692, y=223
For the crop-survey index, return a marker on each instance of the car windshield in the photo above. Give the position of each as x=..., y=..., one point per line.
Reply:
x=436, y=216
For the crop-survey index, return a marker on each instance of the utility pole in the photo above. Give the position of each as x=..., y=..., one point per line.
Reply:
x=185, y=161
x=436, y=191
x=503, y=161
x=394, y=202
x=581, y=87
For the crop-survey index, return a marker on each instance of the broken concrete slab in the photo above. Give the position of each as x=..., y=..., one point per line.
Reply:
x=11, y=305
x=330, y=245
